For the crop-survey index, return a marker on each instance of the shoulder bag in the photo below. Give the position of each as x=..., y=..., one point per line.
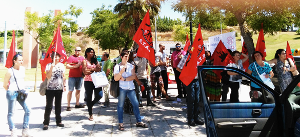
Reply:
x=43, y=87
x=267, y=81
x=22, y=94
x=114, y=87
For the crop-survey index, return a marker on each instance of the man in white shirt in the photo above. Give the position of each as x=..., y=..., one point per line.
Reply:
x=163, y=67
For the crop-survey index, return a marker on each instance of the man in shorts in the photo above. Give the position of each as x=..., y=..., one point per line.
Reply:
x=74, y=63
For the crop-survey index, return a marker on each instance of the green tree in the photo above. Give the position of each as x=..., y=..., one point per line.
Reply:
x=166, y=24
x=181, y=31
x=132, y=11
x=105, y=28
x=275, y=14
x=70, y=24
x=45, y=25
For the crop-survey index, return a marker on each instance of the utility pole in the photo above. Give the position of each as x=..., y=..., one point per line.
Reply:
x=5, y=43
x=155, y=41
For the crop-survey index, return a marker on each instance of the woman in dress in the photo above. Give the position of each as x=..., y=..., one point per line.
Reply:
x=283, y=67
x=235, y=79
x=55, y=73
x=261, y=67
x=124, y=72
x=16, y=72
x=90, y=65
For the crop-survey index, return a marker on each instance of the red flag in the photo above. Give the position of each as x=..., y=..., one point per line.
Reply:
x=55, y=46
x=189, y=70
x=143, y=38
x=261, y=46
x=221, y=56
x=245, y=51
x=289, y=53
x=187, y=43
x=12, y=52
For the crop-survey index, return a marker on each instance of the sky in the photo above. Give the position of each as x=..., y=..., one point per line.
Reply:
x=13, y=11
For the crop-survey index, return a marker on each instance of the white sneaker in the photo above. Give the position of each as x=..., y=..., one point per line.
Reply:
x=13, y=133
x=25, y=133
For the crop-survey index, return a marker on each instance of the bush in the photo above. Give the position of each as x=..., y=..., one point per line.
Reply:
x=298, y=32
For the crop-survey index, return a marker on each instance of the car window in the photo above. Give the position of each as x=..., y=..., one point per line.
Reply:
x=296, y=90
x=221, y=87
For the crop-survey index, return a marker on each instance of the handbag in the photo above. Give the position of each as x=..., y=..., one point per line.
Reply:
x=114, y=87
x=99, y=79
x=267, y=81
x=43, y=87
x=22, y=94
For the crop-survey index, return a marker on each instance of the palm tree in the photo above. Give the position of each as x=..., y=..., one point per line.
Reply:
x=132, y=12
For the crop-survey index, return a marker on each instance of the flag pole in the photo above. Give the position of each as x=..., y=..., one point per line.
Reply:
x=37, y=63
x=56, y=44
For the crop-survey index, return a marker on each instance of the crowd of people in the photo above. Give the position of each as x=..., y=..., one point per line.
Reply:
x=133, y=76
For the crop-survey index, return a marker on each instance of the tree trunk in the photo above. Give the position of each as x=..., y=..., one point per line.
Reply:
x=247, y=36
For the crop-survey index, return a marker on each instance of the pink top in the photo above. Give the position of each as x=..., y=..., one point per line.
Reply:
x=76, y=72
x=175, y=58
x=89, y=65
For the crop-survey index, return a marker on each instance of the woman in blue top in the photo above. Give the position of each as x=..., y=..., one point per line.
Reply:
x=124, y=72
x=262, y=67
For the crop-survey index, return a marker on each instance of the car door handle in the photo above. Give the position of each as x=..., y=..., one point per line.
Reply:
x=244, y=124
x=256, y=112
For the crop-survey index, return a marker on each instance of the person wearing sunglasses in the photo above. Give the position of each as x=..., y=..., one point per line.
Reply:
x=74, y=63
x=175, y=59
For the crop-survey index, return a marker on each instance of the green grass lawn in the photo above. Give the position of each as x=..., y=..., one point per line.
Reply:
x=278, y=41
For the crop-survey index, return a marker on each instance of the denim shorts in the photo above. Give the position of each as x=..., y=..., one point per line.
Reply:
x=75, y=82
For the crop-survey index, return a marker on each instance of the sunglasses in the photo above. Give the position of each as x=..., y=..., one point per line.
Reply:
x=77, y=50
x=178, y=46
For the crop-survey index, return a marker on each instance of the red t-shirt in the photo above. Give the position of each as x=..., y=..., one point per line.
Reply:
x=76, y=72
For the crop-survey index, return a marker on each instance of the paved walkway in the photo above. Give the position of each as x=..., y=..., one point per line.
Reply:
x=166, y=119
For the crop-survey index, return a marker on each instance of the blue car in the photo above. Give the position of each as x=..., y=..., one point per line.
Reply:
x=266, y=113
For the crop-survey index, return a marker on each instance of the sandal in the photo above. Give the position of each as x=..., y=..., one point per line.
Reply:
x=45, y=127
x=91, y=118
x=68, y=108
x=140, y=124
x=121, y=127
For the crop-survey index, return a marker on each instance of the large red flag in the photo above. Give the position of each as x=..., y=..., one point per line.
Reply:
x=55, y=46
x=143, y=38
x=189, y=70
x=187, y=43
x=221, y=56
x=245, y=51
x=11, y=53
x=261, y=46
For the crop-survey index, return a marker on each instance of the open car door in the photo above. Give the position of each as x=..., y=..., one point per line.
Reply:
x=256, y=113
x=290, y=99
